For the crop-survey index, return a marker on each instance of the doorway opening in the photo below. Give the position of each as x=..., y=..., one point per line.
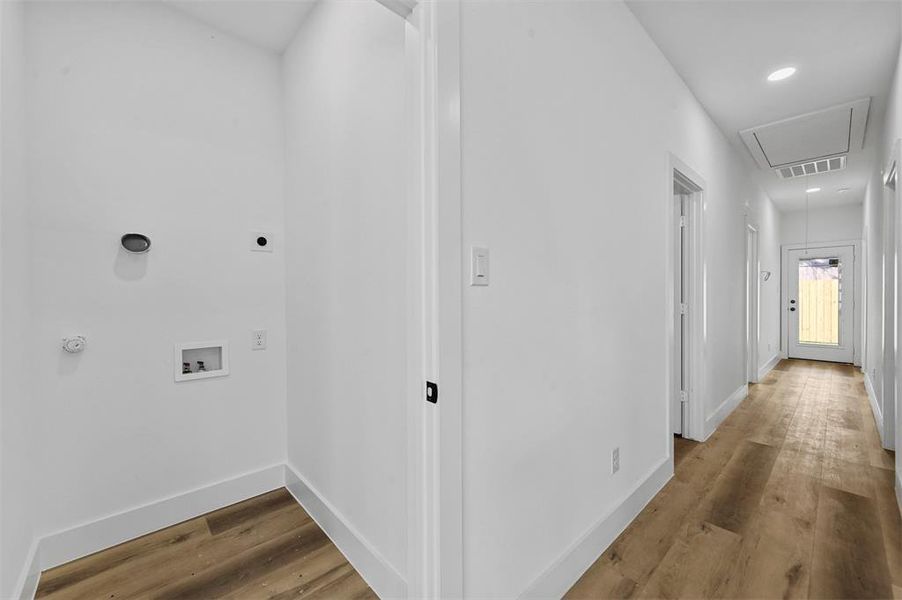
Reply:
x=687, y=306
x=820, y=285
x=753, y=294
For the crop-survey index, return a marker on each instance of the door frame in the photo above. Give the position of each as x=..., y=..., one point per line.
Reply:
x=693, y=409
x=856, y=293
x=435, y=299
x=753, y=301
x=891, y=186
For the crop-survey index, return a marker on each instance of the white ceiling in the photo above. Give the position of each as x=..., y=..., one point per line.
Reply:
x=843, y=49
x=270, y=24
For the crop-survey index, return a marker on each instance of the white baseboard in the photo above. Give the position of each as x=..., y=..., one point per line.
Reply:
x=569, y=567
x=385, y=580
x=769, y=366
x=723, y=411
x=875, y=406
x=31, y=575
x=63, y=546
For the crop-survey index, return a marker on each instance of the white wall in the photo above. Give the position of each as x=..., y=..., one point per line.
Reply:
x=569, y=111
x=831, y=224
x=827, y=224
x=142, y=119
x=346, y=258
x=19, y=414
x=872, y=235
x=768, y=220
x=893, y=133
x=873, y=232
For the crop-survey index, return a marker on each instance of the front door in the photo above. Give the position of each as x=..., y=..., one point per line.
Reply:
x=820, y=291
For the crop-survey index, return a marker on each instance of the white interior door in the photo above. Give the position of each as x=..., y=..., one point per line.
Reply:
x=820, y=292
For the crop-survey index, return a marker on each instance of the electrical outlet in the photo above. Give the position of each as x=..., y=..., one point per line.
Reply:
x=615, y=460
x=258, y=339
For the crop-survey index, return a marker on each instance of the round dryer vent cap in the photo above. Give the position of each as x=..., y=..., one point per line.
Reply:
x=136, y=243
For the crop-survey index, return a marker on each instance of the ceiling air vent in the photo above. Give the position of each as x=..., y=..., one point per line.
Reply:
x=812, y=168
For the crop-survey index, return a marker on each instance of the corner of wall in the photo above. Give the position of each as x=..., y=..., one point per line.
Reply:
x=576, y=559
x=381, y=576
x=875, y=405
x=27, y=585
x=769, y=365
x=899, y=490
x=724, y=410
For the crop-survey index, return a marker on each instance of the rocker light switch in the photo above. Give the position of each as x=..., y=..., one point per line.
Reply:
x=479, y=266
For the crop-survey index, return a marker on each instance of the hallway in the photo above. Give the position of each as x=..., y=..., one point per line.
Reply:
x=791, y=497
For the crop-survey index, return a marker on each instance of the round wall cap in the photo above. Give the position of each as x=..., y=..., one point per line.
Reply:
x=136, y=243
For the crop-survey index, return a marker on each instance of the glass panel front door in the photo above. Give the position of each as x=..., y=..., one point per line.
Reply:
x=819, y=303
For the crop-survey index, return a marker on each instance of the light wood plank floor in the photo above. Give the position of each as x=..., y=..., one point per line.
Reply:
x=792, y=497
x=265, y=547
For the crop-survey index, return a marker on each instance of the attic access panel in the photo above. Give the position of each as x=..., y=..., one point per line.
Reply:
x=832, y=131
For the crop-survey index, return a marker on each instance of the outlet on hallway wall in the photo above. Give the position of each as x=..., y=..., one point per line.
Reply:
x=258, y=339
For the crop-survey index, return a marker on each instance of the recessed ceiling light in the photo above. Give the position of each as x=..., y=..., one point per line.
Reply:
x=781, y=74
x=812, y=190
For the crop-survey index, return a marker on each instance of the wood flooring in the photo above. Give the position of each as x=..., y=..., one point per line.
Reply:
x=792, y=497
x=265, y=547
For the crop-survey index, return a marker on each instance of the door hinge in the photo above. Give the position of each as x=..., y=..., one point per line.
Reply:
x=432, y=392
x=684, y=308
x=684, y=396
x=683, y=221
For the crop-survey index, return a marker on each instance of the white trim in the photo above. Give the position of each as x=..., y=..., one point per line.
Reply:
x=752, y=299
x=434, y=432
x=81, y=540
x=892, y=387
x=87, y=538
x=27, y=585
x=561, y=574
x=875, y=406
x=693, y=421
x=856, y=295
x=70, y=544
x=769, y=366
x=723, y=411
x=363, y=556
x=402, y=8
x=899, y=490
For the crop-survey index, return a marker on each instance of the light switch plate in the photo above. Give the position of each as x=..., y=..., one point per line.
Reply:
x=479, y=266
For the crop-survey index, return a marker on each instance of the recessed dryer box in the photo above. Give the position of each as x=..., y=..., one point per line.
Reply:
x=214, y=356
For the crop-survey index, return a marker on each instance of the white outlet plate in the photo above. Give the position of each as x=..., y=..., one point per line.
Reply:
x=261, y=246
x=258, y=339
